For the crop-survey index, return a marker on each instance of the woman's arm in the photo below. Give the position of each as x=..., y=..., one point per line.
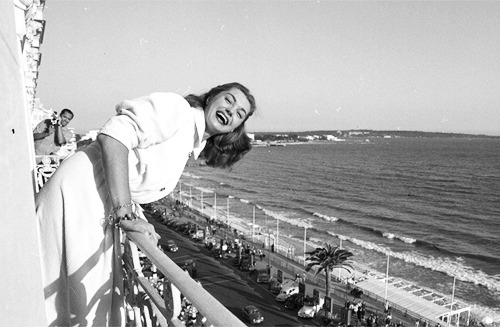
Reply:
x=115, y=164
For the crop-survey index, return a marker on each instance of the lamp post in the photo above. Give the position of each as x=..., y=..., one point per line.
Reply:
x=268, y=235
x=253, y=224
x=386, y=279
x=215, y=206
x=277, y=233
x=201, y=202
x=452, y=299
x=190, y=197
x=227, y=216
x=305, y=231
x=269, y=245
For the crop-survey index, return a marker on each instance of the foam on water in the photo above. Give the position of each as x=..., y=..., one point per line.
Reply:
x=292, y=221
x=477, y=309
x=405, y=239
x=325, y=217
x=453, y=268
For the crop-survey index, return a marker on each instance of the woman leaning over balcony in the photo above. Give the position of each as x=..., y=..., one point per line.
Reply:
x=138, y=157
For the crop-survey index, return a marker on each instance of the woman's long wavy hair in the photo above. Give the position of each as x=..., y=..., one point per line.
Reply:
x=224, y=150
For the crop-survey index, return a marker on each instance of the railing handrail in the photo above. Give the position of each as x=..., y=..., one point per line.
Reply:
x=215, y=313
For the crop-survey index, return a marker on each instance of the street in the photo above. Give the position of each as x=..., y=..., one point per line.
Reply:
x=233, y=288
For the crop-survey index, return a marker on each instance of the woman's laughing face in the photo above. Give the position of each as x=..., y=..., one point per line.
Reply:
x=226, y=111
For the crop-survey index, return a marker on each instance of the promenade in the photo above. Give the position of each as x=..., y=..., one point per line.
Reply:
x=406, y=308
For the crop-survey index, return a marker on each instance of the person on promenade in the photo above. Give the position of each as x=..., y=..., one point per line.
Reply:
x=50, y=134
x=138, y=157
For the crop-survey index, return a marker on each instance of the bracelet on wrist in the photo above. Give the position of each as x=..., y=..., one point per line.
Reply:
x=115, y=220
x=115, y=209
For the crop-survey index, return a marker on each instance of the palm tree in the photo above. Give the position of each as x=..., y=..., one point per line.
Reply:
x=328, y=258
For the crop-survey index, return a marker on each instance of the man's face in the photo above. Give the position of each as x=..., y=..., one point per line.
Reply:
x=66, y=118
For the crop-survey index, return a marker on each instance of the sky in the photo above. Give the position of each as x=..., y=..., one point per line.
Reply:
x=311, y=65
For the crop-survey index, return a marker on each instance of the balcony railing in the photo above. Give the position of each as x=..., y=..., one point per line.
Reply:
x=145, y=305
x=45, y=168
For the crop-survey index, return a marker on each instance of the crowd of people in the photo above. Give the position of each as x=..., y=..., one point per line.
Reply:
x=358, y=311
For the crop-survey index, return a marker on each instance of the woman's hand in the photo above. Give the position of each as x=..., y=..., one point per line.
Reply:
x=141, y=226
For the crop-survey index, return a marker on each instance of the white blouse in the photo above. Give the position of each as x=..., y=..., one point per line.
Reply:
x=160, y=130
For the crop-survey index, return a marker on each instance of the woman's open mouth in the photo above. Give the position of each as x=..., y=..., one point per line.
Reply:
x=222, y=118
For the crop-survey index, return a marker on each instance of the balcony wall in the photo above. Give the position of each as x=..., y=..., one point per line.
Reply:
x=21, y=285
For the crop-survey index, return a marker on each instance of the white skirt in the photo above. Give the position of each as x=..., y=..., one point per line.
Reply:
x=83, y=282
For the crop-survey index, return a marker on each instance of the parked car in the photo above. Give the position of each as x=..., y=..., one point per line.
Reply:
x=274, y=286
x=216, y=253
x=197, y=235
x=171, y=222
x=252, y=314
x=263, y=272
x=246, y=264
x=181, y=227
x=210, y=242
x=171, y=246
x=310, y=308
x=287, y=290
x=294, y=301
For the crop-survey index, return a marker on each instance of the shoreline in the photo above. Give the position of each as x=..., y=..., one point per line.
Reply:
x=478, y=313
x=361, y=272
x=290, y=268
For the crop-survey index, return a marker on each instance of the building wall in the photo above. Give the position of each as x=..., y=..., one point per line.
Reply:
x=21, y=303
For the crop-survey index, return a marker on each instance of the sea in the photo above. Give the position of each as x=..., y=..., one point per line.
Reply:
x=430, y=205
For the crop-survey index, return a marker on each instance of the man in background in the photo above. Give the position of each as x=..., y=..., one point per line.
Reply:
x=50, y=134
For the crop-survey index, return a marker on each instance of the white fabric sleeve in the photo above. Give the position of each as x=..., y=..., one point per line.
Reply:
x=148, y=120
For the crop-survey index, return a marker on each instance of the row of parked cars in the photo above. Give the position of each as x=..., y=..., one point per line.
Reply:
x=291, y=297
x=286, y=292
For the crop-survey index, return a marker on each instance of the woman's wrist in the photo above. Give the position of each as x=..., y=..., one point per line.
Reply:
x=122, y=212
x=123, y=206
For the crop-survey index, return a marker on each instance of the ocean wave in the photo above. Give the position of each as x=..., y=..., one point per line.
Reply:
x=453, y=268
x=405, y=239
x=325, y=217
x=284, y=218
